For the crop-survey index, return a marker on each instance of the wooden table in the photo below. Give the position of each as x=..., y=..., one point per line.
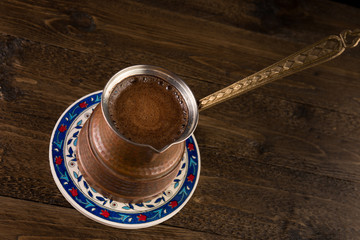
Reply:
x=280, y=162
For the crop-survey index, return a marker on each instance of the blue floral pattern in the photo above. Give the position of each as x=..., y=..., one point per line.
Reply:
x=70, y=180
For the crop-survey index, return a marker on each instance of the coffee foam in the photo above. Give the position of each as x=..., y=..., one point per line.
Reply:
x=148, y=110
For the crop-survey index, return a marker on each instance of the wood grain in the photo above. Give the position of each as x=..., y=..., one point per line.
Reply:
x=43, y=221
x=188, y=51
x=251, y=152
x=280, y=162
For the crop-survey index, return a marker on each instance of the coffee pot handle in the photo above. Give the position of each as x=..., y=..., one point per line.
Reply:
x=310, y=56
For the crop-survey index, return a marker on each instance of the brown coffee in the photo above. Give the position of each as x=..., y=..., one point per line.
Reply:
x=148, y=110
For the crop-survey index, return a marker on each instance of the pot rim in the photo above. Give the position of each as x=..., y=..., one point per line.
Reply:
x=168, y=76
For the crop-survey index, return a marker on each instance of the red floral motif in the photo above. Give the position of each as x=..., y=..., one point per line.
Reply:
x=191, y=147
x=190, y=178
x=105, y=213
x=74, y=192
x=141, y=217
x=58, y=160
x=83, y=104
x=62, y=128
x=173, y=204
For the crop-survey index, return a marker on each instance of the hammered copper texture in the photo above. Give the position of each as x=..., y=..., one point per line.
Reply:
x=119, y=169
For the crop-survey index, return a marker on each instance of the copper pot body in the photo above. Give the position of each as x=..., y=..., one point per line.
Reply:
x=124, y=170
x=120, y=170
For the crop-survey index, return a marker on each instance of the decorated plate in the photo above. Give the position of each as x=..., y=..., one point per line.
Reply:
x=92, y=204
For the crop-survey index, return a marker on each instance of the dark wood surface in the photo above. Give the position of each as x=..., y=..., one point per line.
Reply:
x=280, y=162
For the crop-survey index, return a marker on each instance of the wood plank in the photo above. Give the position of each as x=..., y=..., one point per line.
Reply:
x=42, y=221
x=258, y=212
x=266, y=213
x=199, y=48
x=313, y=152
x=303, y=21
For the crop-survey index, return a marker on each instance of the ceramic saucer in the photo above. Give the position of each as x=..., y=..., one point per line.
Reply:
x=95, y=206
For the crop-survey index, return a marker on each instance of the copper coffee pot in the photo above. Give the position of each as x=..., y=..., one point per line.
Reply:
x=122, y=169
x=131, y=172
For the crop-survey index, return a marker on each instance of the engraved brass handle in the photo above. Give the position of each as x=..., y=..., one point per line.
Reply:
x=310, y=56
